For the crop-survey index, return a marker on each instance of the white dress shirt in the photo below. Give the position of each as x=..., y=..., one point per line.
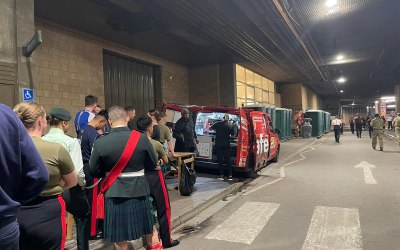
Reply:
x=336, y=121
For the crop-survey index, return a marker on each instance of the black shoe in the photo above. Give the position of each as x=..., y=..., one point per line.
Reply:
x=381, y=149
x=174, y=243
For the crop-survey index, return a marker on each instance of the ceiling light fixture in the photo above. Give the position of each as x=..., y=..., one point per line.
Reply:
x=341, y=80
x=340, y=57
x=388, y=97
x=389, y=100
x=331, y=3
x=341, y=91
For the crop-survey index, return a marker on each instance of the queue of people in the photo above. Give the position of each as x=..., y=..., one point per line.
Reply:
x=47, y=174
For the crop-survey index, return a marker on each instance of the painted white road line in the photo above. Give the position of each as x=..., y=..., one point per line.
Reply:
x=368, y=176
x=302, y=156
x=334, y=228
x=283, y=172
x=262, y=186
x=244, y=225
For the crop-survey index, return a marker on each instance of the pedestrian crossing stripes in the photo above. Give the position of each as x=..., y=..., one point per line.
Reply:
x=244, y=225
x=334, y=228
x=331, y=228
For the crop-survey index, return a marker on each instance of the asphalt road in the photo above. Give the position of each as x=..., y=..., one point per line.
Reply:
x=331, y=196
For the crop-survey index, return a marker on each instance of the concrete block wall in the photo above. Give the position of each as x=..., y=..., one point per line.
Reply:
x=297, y=97
x=291, y=96
x=70, y=66
x=204, y=85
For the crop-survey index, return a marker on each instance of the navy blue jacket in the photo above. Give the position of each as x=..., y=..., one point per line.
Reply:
x=23, y=174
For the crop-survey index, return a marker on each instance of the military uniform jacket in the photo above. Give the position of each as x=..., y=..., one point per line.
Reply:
x=73, y=147
x=106, y=152
x=377, y=123
x=396, y=122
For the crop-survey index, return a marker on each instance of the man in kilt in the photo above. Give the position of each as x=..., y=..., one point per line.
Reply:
x=127, y=206
x=158, y=188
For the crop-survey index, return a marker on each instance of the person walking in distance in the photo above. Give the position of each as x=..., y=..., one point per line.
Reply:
x=384, y=121
x=223, y=134
x=377, y=126
x=337, y=123
x=358, y=123
x=352, y=125
x=23, y=175
x=370, y=129
x=390, y=121
x=396, y=125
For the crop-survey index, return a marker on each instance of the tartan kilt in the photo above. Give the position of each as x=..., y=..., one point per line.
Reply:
x=127, y=218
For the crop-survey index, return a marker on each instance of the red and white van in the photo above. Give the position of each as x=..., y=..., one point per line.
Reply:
x=254, y=144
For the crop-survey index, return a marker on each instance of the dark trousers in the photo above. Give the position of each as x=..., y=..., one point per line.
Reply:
x=336, y=129
x=9, y=234
x=390, y=124
x=224, y=156
x=370, y=130
x=159, y=192
x=42, y=224
x=95, y=225
x=359, y=130
x=352, y=128
x=82, y=232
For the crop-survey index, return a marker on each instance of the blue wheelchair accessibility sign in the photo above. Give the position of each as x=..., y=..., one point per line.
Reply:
x=27, y=95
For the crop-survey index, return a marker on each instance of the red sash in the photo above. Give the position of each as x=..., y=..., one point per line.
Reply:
x=116, y=171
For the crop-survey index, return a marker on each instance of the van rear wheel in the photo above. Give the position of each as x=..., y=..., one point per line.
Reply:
x=251, y=174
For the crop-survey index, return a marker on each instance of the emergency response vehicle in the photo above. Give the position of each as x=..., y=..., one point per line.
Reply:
x=254, y=143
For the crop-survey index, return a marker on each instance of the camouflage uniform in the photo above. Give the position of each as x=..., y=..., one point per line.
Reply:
x=377, y=125
x=396, y=125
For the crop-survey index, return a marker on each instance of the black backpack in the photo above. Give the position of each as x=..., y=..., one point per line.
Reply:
x=188, y=179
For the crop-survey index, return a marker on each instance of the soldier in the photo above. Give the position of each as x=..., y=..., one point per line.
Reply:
x=358, y=123
x=396, y=125
x=377, y=125
x=59, y=124
x=75, y=198
x=127, y=213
